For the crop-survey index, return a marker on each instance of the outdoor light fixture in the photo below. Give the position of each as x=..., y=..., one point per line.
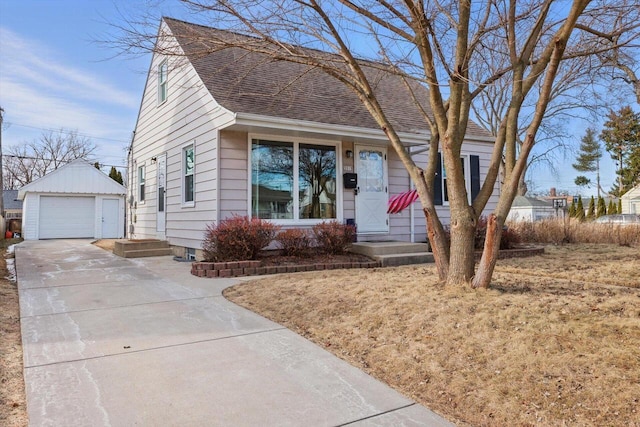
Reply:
x=349, y=154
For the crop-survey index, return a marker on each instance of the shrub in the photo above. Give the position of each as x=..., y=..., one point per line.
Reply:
x=591, y=211
x=580, y=209
x=237, y=238
x=601, y=208
x=294, y=242
x=558, y=231
x=333, y=237
x=508, y=238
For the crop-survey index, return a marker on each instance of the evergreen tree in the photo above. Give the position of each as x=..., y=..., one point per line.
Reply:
x=572, y=210
x=602, y=208
x=580, y=209
x=621, y=135
x=619, y=206
x=115, y=174
x=611, y=210
x=588, y=159
x=591, y=212
x=96, y=165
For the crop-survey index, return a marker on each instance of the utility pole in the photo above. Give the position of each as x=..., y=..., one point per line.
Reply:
x=2, y=223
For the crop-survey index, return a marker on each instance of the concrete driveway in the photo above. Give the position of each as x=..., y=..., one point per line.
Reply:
x=116, y=342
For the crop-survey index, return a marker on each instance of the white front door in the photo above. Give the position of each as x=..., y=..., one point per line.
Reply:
x=372, y=195
x=110, y=211
x=161, y=202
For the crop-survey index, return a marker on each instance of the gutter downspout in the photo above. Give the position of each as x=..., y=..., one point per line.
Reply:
x=412, y=221
x=129, y=199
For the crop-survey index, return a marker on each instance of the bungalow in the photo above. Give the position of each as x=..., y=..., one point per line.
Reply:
x=235, y=132
x=531, y=209
x=631, y=201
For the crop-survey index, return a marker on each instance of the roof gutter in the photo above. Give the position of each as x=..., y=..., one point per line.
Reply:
x=343, y=131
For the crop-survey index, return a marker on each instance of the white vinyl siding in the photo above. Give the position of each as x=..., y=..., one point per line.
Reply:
x=190, y=114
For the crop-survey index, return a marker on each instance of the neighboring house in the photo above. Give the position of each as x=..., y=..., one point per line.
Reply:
x=233, y=132
x=12, y=210
x=12, y=206
x=74, y=201
x=631, y=201
x=531, y=209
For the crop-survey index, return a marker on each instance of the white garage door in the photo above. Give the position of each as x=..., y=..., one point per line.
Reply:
x=67, y=217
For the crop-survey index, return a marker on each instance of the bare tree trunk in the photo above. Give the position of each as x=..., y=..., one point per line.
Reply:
x=438, y=242
x=522, y=185
x=462, y=257
x=489, y=253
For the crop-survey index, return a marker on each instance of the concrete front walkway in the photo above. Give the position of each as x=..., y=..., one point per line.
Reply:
x=117, y=342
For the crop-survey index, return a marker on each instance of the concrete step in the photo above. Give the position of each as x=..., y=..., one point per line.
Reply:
x=140, y=253
x=373, y=249
x=394, y=260
x=123, y=247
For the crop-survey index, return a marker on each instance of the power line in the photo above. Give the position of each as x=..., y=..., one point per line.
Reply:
x=68, y=132
x=61, y=161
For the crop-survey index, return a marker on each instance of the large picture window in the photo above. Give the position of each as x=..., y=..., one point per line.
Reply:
x=293, y=181
x=188, y=167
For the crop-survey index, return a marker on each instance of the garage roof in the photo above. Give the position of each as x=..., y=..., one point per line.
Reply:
x=76, y=177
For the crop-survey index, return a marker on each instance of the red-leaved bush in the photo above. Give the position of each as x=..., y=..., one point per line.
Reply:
x=237, y=238
x=295, y=242
x=508, y=239
x=333, y=237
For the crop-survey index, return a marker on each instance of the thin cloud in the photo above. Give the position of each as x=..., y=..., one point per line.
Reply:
x=36, y=65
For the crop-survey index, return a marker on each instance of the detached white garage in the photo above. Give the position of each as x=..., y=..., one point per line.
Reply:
x=74, y=201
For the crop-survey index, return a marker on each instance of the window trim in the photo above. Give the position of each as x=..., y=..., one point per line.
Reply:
x=141, y=187
x=466, y=158
x=184, y=203
x=163, y=87
x=296, y=141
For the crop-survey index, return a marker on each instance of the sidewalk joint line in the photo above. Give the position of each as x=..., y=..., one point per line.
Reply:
x=156, y=348
x=121, y=306
x=376, y=415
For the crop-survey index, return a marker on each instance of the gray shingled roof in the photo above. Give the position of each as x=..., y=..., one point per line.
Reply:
x=250, y=82
x=9, y=198
x=522, y=201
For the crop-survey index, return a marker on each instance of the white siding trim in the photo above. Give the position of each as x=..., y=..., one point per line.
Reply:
x=183, y=148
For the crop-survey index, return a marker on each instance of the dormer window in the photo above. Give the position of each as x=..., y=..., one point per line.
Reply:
x=162, y=81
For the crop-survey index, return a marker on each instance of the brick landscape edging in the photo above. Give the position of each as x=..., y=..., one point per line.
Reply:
x=515, y=253
x=253, y=268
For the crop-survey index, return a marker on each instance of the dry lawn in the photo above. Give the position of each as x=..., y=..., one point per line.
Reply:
x=554, y=341
x=13, y=410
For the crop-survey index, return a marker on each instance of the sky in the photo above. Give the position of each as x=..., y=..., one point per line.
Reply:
x=55, y=75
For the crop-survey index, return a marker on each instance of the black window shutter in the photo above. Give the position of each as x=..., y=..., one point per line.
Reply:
x=475, y=176
x=437, y=183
